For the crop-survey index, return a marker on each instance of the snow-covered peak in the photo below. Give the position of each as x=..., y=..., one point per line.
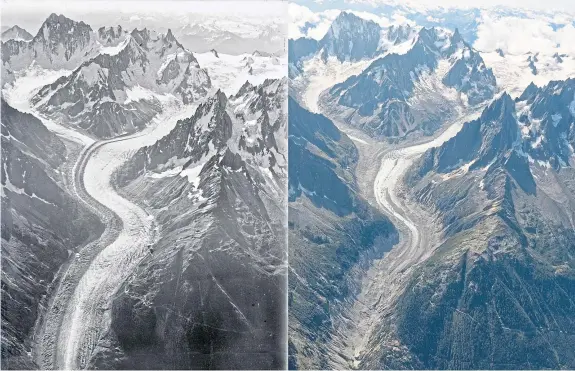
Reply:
x=97, y=95
x=547, y=119
x=347, y=23
x=16, y=33
x=260, y=136
x=60, y=29
x=396, y=34
x=437, y=69
x=61, y=43
x=351, y=38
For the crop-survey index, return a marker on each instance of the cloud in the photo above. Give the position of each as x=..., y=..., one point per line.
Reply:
x=381, y=20
x=31, y=14
x=299, y=17
x=519, y=35
x=305, y=23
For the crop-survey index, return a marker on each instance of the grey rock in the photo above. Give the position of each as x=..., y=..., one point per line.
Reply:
x=503, y=271
x=94, y=96
x=332, y=231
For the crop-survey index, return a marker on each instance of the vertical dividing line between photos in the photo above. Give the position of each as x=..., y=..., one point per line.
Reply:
x=286, y=195
x=286, y=285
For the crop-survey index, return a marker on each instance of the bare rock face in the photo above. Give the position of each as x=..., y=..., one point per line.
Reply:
x=16, y=33
x=61, y=43
x=349, y=39
x=502, y=191
x=392, y=98
x=112, y=36
x=212, y=293
x=116, y=93
x=331, y=229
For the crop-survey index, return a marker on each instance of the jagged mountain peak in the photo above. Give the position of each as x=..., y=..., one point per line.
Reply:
x=345, y=20
x=141, y=36
x=456, y=37
x=57, y=18
x=529, y=92
x=479, y=143
x=499, y=129
x=350, y=37
x=111, y=35
x=170, y=36
x=434, y=39
x=379, y=95
x=150, y=39
x=133, y=44
x=115, y=29
x=101, y=93
x=61, y=24
x=247, y=86
x=219, y=98
x=547, y=119
x=399, y=33
x=500, y=108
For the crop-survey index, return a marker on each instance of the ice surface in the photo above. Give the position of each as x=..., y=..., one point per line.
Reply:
x=26, y=84
x=514, y=75
x=85, y=321
x=229, y=72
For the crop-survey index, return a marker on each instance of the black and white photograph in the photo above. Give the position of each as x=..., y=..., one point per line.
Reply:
x=144, y=185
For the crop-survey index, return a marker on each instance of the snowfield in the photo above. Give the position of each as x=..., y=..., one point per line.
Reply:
x=384, y=279
x=513, y=73
x=317, y=76
x=27, y=83
x=230, y=72
x=78, y=314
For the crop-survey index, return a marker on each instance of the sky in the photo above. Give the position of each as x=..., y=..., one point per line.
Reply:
x=30, y=14
x=549, y=5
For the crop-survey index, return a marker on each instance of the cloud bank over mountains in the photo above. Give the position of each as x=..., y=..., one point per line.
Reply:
x=513, y=31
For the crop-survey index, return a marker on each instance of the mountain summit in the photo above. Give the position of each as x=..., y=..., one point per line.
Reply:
x=16, y=33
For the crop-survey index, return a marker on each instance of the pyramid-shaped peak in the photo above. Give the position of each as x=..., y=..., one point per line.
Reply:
x=347, y=19
x=456, y=37
x=170, y=35
x=501, y=108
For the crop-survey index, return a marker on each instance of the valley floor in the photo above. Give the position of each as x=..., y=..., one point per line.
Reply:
x=385, y=278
